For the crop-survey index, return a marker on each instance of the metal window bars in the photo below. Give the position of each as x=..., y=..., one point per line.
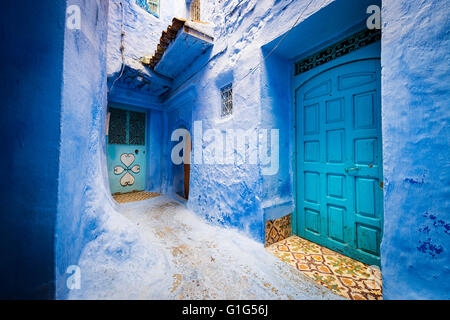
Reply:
x=227, y=100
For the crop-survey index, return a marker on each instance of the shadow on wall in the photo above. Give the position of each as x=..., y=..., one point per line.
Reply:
x=31, y=81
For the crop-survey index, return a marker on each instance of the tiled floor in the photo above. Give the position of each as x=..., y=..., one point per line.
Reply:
x=134, y=196
x=341, y=274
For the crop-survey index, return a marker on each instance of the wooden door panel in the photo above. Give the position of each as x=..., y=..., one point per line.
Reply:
x=339, y=198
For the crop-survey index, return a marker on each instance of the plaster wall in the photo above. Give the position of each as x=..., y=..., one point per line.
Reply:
x=415, y=154
x=83, y=190
x=239, y=195
x=227, y=194
x=141, y=30
x=416, y=136
x=415, y=124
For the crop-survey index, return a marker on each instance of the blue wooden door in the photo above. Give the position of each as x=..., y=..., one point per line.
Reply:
x=339, y=160
x=126, y=155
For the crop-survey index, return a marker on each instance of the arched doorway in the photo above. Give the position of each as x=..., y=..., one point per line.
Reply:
x=339, y=196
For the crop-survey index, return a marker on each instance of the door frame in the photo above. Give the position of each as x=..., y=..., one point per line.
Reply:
x=123, y=106
x=371, y=51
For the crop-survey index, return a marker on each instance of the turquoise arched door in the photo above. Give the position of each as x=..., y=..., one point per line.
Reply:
x=126, y=150
x=339, y=201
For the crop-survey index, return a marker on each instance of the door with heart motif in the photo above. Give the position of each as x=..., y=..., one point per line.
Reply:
x=126, y=156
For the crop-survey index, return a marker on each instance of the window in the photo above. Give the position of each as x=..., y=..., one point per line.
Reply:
x=151, y=6
x=136, y=134
x=195, y=10
x=227, y=100
x=117, y=126
x=126, y=127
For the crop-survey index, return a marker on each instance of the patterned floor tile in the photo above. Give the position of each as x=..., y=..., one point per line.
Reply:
x=134, y=196
x=277, y=230
x=347, y=277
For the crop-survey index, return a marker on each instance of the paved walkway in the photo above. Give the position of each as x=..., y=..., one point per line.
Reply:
x=157, y=249
x=343, y=275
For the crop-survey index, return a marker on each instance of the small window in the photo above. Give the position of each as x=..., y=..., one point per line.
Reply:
x=227, y=100
x=117, y=126
x=195, y=10
x=126, y=127
x=151, y=6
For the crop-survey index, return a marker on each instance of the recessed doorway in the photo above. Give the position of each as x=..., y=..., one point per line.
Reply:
x=126, y=150
x=339, y=190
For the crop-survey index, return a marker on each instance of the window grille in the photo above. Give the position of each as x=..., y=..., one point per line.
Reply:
x=227, y=100
x=350, y=44
x=195, y=10
x=126, y=127
x=117, y=126
x=151, y=6
x=137, y=128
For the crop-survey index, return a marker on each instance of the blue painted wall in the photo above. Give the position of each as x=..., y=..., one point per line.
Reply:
x=416, y=146
x=83, y=191
x=416, y=134
x=415, y=124
x=156, y=132
x=31, y=80
x=242, y=196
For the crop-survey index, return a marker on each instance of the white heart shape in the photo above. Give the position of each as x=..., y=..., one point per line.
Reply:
x=127, y=159
x=118, y=169
x=136, y=168
x=127, y=179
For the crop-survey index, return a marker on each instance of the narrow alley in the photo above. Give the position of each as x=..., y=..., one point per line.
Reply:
x=170, y=253
x=225, y=150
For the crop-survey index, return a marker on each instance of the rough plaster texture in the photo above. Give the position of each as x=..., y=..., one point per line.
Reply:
x=239, y=195
x=83, y=191
x=142, y=30
x=157, y=249
x=416, y=131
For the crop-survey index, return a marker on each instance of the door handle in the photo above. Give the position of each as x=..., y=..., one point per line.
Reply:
x=351, y=169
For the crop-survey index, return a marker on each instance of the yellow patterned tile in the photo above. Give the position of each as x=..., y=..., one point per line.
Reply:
x=343, y=275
